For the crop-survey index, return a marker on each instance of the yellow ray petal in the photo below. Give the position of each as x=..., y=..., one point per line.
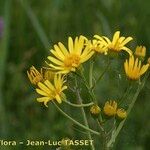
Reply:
x=64, y=88
x=80, y=45
x=70, y=44
x=121, y=39
x=57, y=55
x=98, y=37
x=127, y=50
x=65, y=71
x=43, y=87
x=63, y=48
x=59, y=50
x=144, y=69
x=126, y=66
x=76, y=44
x=43, y=93
x=87, y=57
x=115, y=37
x=107, y=40
x=56, y=67
x=54, y=60
x=128, y=39
x=49, y=85
x=42, y=99
x=58, y=99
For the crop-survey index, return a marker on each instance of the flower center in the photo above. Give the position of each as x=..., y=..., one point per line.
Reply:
x=115, y=46
x=72, y=60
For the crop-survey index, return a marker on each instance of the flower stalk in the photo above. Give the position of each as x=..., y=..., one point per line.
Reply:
x=79, y=105
x=85, y=119
x=114, y=136
x=100, y=77
x=103, y=135
x=76, y=122
x=91, y=74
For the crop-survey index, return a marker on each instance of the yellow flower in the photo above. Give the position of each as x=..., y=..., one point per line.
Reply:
x=140, y=51
x=97, y=47
x=51, y=91
x=34, y=75
x=110, y=108
x=133, y=68
x=65, y=60
x=117, y=44
x=121, y=113
x=95, y=110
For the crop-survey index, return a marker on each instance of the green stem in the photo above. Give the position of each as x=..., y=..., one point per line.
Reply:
x=87, y=86
x=84, y=80
x=100, y=126
x=85, y=119
x=99, y=78
x=91, y=80
x=126, y=93
x=91, y=74
x=79, y=105
x=113, y=138
x=76, y=122
x=103, y=135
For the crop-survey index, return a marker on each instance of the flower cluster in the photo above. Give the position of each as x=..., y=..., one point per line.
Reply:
x=111, y=109
x=51, y=82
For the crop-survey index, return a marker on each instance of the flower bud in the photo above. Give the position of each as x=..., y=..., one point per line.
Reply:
x=140, y=52
x=110, y=108
x=34, y=75
x=121, y=113
x=95, y=110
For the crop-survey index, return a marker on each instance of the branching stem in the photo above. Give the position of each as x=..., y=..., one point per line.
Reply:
x=76, y=122
x=114, y=136
x=79, y=105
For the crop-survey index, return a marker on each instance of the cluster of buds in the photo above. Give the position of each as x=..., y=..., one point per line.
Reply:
x=111, y=109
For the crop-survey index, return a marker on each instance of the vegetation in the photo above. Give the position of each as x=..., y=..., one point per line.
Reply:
x=30, y=29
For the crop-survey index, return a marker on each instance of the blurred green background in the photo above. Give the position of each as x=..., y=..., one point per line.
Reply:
x=28, y=29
